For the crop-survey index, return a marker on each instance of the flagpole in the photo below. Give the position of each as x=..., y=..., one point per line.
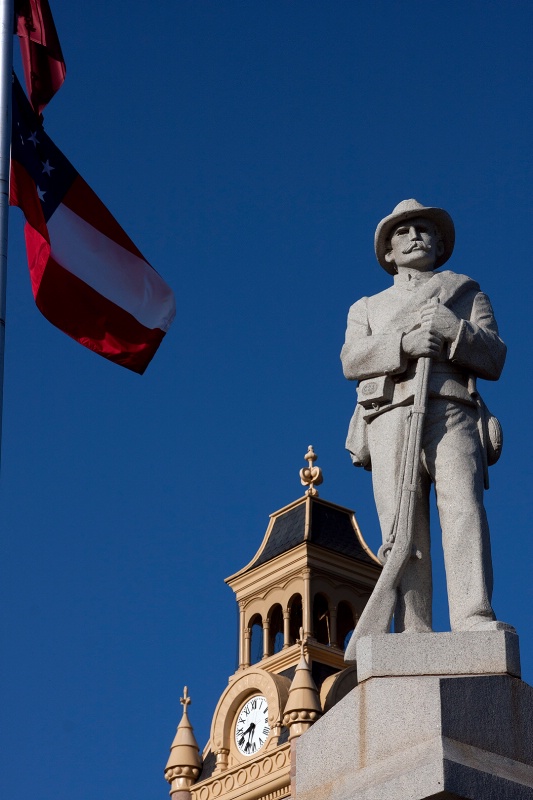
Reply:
x=6, y=68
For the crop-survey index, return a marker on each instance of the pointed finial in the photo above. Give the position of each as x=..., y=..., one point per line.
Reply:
x=301, y=641
x=185, y=700
x=311, y=475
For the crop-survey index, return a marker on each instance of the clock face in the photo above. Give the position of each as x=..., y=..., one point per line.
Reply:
x=252, y=728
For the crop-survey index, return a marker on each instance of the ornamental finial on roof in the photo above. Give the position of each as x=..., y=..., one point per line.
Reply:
x=311, y=475
x=185, y=700
x=302, y=641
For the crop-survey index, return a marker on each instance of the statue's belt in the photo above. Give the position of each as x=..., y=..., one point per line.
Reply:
x=385, y=392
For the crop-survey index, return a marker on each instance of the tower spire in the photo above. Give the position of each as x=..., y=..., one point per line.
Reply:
x=183, y=765
x=303, y=705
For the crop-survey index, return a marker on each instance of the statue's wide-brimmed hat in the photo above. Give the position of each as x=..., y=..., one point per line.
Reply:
x=408, y=209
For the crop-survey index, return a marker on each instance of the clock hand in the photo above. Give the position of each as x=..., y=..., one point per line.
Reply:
x=250, y=731
x=243, y=734
x=250, y=735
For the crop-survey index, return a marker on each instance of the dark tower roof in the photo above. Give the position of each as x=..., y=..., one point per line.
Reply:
x=318, y=522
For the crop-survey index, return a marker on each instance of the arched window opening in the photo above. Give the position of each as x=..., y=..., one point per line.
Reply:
x=345, y=624
x=321, y=622
x=295, y=618
x=275, y=633
x=256, y=641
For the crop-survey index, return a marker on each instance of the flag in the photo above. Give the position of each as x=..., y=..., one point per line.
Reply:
x=87, y=276
x=42, y=59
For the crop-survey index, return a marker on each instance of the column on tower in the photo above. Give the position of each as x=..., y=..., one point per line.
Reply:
x=306, y=600
x=266, y=636
x=286, y=628
x=242, y=643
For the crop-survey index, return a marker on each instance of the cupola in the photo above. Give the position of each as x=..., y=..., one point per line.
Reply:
x=314, y=570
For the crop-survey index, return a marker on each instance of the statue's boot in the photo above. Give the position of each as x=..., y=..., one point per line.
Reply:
x=484, y=624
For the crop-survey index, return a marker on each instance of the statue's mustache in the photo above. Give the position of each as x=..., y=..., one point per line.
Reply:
x=418, y=245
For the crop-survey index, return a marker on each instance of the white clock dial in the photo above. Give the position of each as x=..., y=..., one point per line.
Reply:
x=252, y=728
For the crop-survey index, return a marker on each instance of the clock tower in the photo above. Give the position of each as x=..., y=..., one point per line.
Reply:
x=299, y=599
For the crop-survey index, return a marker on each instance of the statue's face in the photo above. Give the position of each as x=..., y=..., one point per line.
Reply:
x=415, y=243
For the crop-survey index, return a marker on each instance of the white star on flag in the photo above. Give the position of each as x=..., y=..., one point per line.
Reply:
x=33, y=138
x=47, y=167
x=40, y=194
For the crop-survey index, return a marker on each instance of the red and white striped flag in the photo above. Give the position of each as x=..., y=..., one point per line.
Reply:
x=87, y=276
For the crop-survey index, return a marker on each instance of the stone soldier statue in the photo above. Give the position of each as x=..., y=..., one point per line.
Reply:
x=445, y=316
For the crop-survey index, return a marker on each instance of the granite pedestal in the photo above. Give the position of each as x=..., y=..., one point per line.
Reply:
x=415, y=729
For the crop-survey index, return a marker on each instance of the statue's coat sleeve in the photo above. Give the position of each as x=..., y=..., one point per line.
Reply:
x=478, y=347
x=366, y=354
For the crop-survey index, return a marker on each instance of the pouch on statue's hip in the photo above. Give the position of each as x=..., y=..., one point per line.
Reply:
x=492, y=434
x=357, y=439
x=375, y=392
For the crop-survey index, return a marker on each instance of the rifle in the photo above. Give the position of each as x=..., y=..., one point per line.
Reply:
x=396, y=552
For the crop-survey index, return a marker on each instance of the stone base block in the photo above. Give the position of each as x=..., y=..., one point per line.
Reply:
x=469, y=653
x=422, y=737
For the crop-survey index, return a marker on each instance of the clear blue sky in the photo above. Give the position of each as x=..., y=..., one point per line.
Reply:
x=249, y=149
